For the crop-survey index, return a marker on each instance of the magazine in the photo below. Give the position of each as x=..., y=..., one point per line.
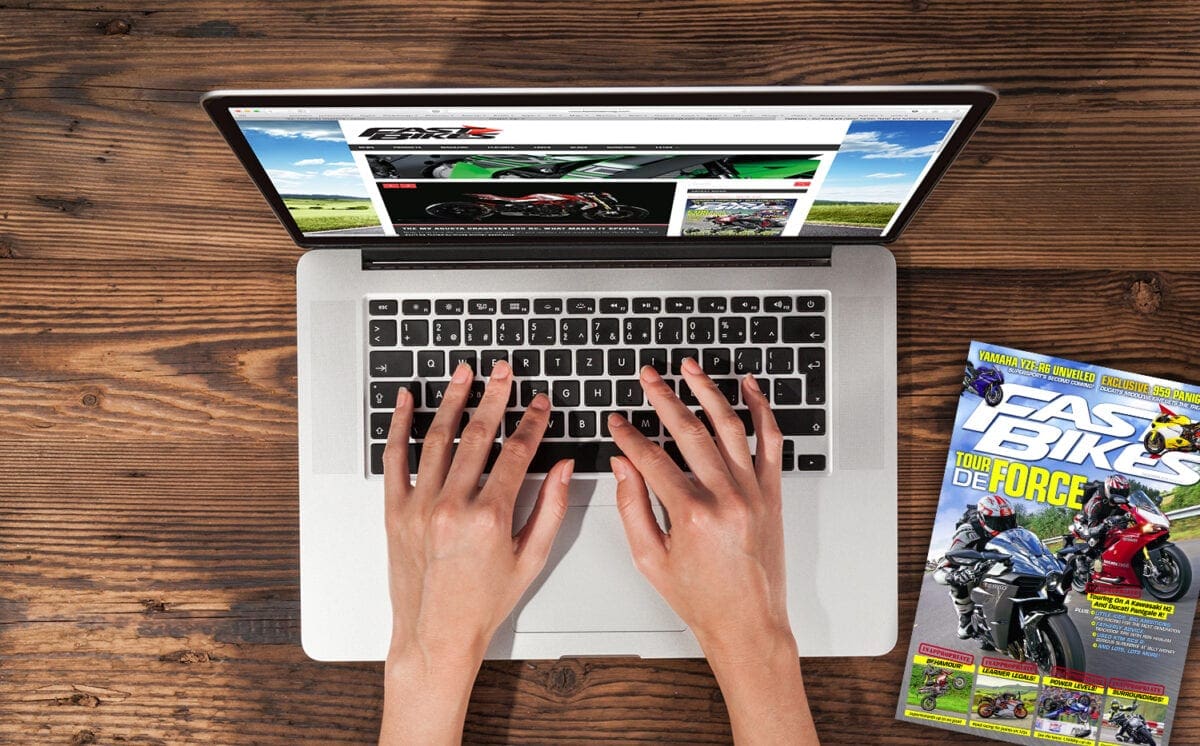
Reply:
x=1058, y=594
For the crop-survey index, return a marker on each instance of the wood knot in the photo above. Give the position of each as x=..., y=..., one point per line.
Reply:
x=186, y=656
x=79, y=699
x=71, y=206
x=984, y=158
x=8, y=248
x=90, y=400
x=115, y=27
x=563, y=680
x=153, y=605
x=1145, y=294
x=919, y=6
x=82, y=737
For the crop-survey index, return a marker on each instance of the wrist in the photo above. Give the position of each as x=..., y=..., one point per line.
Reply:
x=748, y=644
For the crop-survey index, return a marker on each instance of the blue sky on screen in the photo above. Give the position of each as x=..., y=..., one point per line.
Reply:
x=305, y=157
x=880, y=161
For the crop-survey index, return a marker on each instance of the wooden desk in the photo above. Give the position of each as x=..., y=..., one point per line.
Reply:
x=148, y=543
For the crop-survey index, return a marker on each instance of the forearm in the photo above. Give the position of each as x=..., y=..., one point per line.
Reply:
x=425, y=700
x=766, y=699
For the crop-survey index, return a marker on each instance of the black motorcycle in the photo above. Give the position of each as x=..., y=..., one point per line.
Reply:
x=1132, y=728
x=1020, y=601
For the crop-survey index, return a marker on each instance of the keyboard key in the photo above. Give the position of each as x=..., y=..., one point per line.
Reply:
x=434, y=391
x=555, y=426
x=777, y=303
x=597, y=393
x=680, y=305
x=685, y=394
x=637, y=331
x=431, y=363
x=414, y=457
x=606, y=331
x=812, y=360
x=530, y=389
x=703, y=417
x=604, y=431
x=789, y=455
x=565, y=393
x=746, y=304
x=381, y=422
x=510, y=332
x=383, y=393
x=475, y=393
x=629, y=393
x=712, y=305
x=621, y=362
x=816, y=390
x=655, y=357
x=589, y=362
x=614, y=305
x=801, y=421
x=717, y=361
x=810, y=303
x=547, y=305
x=488, y=360
x=679, y=354
x=700, y=331
x=729, y=389
x=381, y=333
x=558, y=363
x=481, y=306
x=781, y=360
x=581, y=305
x=526, y=363
x=764, y=330
x=573, y=332
x=414, y=333
x=512, y=420
x=747, y=420
x=647, y=305
x=806, y=329
x=444, y=307
x=463, y=356
x=512, y=306
x=415, y=307
x=447, y=332
x=391, y=364
x=590, y=457
x=542, y=332
x=477, y=332
x=789, y=391
x=382, y=307
x=747, y=360
x=810, y=462
x=668, y=331
x=581, y=424
x=646, y=421
x=731, y=330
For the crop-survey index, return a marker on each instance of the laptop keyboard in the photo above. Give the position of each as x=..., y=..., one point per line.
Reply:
x=585, y=352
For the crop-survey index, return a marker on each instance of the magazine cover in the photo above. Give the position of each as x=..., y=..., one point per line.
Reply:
x=1058, y=593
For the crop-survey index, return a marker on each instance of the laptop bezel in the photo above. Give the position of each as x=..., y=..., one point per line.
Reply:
x=601, y=248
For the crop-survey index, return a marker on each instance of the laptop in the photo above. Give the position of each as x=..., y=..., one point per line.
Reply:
x=581, y=234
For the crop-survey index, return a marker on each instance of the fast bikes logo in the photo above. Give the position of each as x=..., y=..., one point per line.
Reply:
x=1034, y=424
x=465, y=132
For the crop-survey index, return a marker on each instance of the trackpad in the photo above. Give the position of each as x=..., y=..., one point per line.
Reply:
x=590, y=583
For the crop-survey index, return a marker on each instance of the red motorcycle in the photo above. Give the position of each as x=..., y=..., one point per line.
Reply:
x=1003, y=705
x=757, y=222
x=598, y=206
x=1136, y=553
x=938, y=685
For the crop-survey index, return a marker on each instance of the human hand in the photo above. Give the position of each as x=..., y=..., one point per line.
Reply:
x=455, y=568
x=721, y=566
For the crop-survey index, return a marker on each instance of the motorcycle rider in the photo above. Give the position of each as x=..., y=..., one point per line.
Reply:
x=979, y=523
x=1100, y=505
x=1116, y=707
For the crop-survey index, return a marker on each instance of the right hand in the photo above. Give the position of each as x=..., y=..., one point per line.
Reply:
x=721, y=565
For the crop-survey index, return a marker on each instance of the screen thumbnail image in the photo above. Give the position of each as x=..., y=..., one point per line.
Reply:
x=736, y=217
x=591, y=166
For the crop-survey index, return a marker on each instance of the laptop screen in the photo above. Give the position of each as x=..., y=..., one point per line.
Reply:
x=384, y=174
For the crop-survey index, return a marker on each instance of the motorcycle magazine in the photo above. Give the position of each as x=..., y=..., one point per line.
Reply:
x=1058, y=594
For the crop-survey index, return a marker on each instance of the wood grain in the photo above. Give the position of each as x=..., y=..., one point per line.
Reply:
x=148, y=543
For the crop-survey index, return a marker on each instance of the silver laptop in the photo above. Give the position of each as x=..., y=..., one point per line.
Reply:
x=581, y=234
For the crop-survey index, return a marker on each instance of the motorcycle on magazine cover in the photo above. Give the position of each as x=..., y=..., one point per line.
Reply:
x=939, y=686
x=1078, y=709
x=1172, y=432
x=1132, y=728
x=757, y=222
x=1004, y=705
x=985, y=381
x=1020, y=601
x=1136, y=553
x=598, y=206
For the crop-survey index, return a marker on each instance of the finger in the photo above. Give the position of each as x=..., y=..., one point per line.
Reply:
x=439, y=439
x=659, y=470
x=637, y=515
x=475, y=444
x=536, y=537
x=768, y=459
x=689, y=433
x=396, y=482
x=519, y=449
x=727, y=426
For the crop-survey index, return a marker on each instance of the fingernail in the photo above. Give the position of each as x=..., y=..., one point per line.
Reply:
x=616, y=421
x=650, y=374
x=564, y=476
x=541, y=402
x=691, y=366
x=618, y=469
x=401, y=397
x=461, y=373
x=501, y=370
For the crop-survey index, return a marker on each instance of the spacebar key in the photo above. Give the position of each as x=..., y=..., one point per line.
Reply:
x=590, y=457
x=801, y=421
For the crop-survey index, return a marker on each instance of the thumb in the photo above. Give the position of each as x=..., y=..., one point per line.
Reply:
x=633, y=504
x=537, y=536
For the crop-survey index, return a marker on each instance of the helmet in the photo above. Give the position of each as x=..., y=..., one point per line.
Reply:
x=996, y=514
x=1116, y=487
